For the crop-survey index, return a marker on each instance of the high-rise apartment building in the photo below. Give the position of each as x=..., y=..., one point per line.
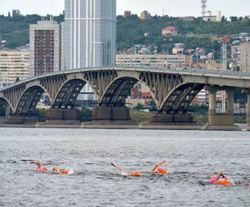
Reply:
x=155, y=60
x=245, y=56
x=14, y=65
x=89, y=33
x=45, y=47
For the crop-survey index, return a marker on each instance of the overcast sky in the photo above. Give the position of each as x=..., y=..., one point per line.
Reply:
x=170, y=7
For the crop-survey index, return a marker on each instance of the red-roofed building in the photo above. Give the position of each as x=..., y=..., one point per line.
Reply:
x=169, y=31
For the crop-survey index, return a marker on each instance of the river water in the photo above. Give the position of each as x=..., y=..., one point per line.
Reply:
x=192, y=157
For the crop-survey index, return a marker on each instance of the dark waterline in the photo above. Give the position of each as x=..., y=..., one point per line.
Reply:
x=192, y=157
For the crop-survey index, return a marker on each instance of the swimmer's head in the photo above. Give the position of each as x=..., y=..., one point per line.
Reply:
x=162, y=171
x=38, y=163
x=135, y=173
x=55, y=169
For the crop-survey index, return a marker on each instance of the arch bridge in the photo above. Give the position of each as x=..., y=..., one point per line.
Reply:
x=171, y=89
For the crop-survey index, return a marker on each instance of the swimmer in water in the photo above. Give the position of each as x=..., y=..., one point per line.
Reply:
x=137, y=173
x=220, y=179
x=40, y=167
x=157, y=169
x=62, y=171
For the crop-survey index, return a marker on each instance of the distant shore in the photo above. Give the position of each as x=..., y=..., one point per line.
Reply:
x=111, y=125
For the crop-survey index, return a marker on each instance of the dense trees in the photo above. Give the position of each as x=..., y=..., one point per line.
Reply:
x=15, y=30
x=131, y=30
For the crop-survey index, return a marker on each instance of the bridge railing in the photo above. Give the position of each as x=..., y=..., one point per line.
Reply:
x=178, y=70
x=187, y=70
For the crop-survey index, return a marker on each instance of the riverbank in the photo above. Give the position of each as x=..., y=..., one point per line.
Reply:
x=128, y=125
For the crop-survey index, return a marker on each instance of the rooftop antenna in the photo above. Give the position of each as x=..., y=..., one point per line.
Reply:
x=203, y=7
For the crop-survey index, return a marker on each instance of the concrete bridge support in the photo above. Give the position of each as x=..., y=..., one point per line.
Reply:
x=248, y=112
x=63, y=116
x=178, y=118
x=21, y=119
x=104, y=113
x=221, y=120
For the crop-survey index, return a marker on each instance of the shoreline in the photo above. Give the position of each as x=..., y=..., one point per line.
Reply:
x=140, y=126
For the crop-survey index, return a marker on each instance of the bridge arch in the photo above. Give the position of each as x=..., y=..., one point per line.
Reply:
x=29, y=99
x=180, y=97
x=68, y=93
x=119, y=89
x=4, y=100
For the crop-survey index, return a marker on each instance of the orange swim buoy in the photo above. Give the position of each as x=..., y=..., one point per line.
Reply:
x=135, y=173
x=162, y=171
x=224, y=181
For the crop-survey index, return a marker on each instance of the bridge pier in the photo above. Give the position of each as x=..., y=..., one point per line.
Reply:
x=221, y=120
x=104, y=113
x=21, y=119
x=248, y=111
x=62, y=116
x=172, y=118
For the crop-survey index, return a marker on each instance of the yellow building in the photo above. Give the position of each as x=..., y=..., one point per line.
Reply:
x=157, y=60
x=14, y=64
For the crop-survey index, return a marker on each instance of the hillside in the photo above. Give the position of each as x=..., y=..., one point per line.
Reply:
x=131, y=31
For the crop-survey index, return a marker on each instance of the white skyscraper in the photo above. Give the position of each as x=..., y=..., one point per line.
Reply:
x=89, y=33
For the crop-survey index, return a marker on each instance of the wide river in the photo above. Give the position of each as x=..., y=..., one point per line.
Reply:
x=192, y=157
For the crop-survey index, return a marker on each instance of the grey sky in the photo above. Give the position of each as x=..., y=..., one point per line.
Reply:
x=170, y=7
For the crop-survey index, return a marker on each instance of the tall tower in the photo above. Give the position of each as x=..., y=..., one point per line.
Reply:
x=89, y=34
x=203, y=7
x=44, y=47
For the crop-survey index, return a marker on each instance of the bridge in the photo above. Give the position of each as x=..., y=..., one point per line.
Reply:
x=172, y=90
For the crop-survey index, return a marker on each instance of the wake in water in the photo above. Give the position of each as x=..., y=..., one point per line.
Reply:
x=153, y=173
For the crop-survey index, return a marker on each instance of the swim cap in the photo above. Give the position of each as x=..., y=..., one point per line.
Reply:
x=162, y=171
x=135, y=173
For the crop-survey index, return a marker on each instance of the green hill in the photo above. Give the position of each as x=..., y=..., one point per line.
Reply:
x=131, y=30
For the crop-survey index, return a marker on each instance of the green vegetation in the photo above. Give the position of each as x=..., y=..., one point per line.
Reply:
x=86, y=115
x=41, y=114
x=15, y=30
x=138, y=107
x=138, y=116
x=131, y=30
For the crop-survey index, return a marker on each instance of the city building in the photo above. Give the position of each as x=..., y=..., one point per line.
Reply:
x=245, y=56
x=209, y=17
x=157, y=60
x=145, y=15
x=44, y=47
x=201, y=98
x=235, y=56
x=208, y=66
x=89, y=34
x=169, y=31
x=127, y=13
x=14, y=66
x=178, y=49
x=140, y=94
